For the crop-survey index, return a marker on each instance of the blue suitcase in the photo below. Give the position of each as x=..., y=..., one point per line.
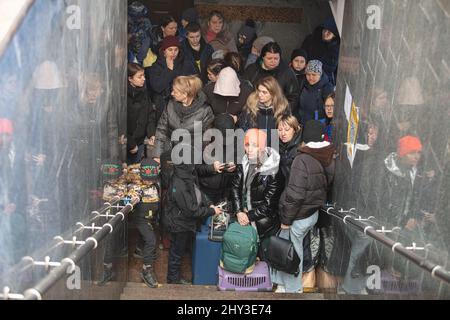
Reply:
x=205, y=259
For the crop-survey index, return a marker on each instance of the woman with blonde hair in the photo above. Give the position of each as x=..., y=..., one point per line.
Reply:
x=187, y=110
x=264, y=106
x=290, y=133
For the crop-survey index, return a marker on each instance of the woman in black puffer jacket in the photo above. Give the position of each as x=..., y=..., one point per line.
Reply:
x=256, y=187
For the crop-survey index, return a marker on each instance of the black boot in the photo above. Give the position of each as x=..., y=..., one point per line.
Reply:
x=149, y=276
x=181, y=281
x=108, y=275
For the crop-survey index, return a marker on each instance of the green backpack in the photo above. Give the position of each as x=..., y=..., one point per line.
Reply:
x=239, y=248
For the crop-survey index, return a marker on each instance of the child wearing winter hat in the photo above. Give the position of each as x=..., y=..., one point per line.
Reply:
x=299, y=59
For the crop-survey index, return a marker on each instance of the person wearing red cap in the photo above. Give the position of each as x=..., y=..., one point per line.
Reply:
x=257, y=185
x=6, y=131
x=169, y=65
x=402, y=179
x=406, y=198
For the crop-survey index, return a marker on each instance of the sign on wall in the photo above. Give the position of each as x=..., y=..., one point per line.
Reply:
x=353, y=117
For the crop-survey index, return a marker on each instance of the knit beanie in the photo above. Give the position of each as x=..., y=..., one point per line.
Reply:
x=408, y=144
x=256, y=136
x=313, y=131
x=6, y=126
x=169, y=41
x=260, y=42
x=314, y=66
x=299, y=53
x=190, y=15
x=228, y=84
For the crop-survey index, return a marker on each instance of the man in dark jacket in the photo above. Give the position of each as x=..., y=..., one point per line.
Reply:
x=197, y=51
x=186, y=205
x=270, y=64
x=324, y=45
x=215, y=179
x=311, y=176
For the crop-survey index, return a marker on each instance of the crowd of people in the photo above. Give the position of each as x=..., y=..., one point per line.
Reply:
x=187, y=78
x=203, y=78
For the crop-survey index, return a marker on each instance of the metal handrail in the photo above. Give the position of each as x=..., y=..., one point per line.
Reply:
x=27, y=263
x=349, y=218
x=86, y=247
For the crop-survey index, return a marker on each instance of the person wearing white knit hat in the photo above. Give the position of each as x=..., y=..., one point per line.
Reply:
x=229, y=94
x=228, y=83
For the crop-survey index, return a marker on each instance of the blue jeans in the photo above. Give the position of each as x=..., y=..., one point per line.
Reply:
x=298, y=232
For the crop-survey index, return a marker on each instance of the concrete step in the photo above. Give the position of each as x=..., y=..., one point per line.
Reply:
x=138, y=291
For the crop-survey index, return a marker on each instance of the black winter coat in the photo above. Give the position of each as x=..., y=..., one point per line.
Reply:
x=160, y=79
x=206, y=52
x=301, y=79
x=288, y=152
x=183, y=210
x=176, y=116
x=311, y=105
x=326, y=52
x=230, y=105
x=141, y=117
x=284, y=75
x=265, y=120
x=218, y=183
x=311, y=175
x=400, y=199
x=265, y=193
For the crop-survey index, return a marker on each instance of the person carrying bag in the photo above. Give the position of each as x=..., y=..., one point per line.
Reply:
x=311, y=175
x=281, y=255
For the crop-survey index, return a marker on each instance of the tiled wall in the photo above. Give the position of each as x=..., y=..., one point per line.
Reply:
x=287, y=21
x=399, y=78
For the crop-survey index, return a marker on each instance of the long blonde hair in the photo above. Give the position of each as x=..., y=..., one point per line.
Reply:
x=279, y=102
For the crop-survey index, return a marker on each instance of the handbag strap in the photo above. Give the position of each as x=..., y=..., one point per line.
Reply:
x=279, y=232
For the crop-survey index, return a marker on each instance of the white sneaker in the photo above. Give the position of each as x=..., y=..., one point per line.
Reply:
x=280, y=289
